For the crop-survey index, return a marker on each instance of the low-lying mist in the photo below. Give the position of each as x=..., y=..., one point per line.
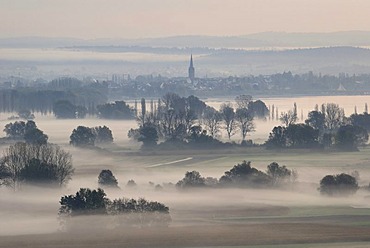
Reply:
x=34, y=210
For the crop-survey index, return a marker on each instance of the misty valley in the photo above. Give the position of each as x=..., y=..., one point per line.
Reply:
x=186, y=172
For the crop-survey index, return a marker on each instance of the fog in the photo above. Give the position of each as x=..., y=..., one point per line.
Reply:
x=34, y=210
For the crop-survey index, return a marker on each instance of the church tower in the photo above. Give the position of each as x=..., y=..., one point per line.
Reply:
x=191, y=69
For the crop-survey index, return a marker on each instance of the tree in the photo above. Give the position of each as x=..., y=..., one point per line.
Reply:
x=288, y=118
x=106, y=178
x=82, y=137
x=242, y=101
x=38, y=172
x=245, y=121
x=244, y=175
x=279, y=174
x=143, y=108
x=198, y=139
x=148, y=135
x=176, y=116
x=15, y=130
x=334, y=116
x=140, y=213
x=349, y=137
x=36, y=136
x=84, y=202
x=316, y=120
x=212, y=120
x=228, y=118
x=27, y=159
x=102, y=135
x=116, y=110
x=126, y=212
x=342, y=184
x=66, y=110
x=301, y=136
x=195, y=105
x=27, y=131
x=258, y=109
x=362, y=120
x=191, y=179
x=277, y=138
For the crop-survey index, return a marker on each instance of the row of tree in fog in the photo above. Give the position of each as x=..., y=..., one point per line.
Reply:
x=190, y=120
x=126, y=212
x=46, y=164
x=285, y=83
x=324, y=128
x=88, y=94
x=175, y=123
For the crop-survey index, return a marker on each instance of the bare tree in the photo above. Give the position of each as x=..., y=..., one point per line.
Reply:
x=245, y=121
x=212, y=120
x=243, y=101
x=228, y=118
x=288, y=118
x=17, y=157
x=334, y=115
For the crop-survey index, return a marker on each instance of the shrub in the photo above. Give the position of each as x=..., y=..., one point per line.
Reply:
x=342, y=184
x=106, y=178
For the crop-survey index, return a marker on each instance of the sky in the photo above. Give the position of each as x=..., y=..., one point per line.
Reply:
x=91, y=19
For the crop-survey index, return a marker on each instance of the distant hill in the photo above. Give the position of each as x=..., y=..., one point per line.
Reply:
x=265, y=40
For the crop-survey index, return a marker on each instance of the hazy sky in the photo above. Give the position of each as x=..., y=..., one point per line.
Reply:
x=154, y=18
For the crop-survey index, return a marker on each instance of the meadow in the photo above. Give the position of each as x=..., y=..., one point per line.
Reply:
x=295, y=216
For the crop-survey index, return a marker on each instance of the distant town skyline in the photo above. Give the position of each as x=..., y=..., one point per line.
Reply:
x=91, y=19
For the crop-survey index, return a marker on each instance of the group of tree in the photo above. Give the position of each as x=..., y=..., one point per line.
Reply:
x=338, y=185
x=24, y=114
x=185, y=120
x=87, y=137
x=328, y=127
x=64, y=109
x=126, y=212
x=107, y=179
x=42, y=97
x=242, y=175
x=26, y=131
x=116, y=110
x=35, y=164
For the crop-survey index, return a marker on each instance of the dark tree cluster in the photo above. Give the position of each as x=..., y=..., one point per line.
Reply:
x=322, y=129
x=107, y=179
x=35, y=164
x=66, y=110
x=242, y=175
x=293, y=136
x=341, y=184
x=26, y=131
x=361, y=120
x=126, y=212
x=117, y=110
x=186, y=122
x=87, y=137
x=171, y=119
x=43, y=97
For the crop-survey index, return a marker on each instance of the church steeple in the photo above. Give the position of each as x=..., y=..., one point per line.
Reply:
x=191, y=69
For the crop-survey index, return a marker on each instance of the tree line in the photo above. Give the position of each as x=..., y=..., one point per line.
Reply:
x=276, y=176
x=327, y=127
x=125, y=212
x=185, y=120
x=42, y=99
